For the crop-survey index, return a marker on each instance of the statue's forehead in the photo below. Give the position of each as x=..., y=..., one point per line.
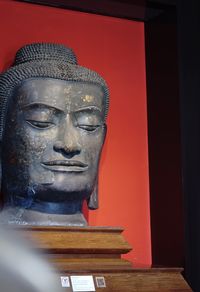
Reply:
x=59, y=93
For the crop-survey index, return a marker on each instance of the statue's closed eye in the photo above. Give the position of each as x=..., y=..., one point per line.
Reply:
x=88, y=119
x=40, y=124
x=89, y=128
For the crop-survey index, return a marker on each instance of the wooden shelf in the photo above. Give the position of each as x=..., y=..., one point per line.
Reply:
x=97, y=251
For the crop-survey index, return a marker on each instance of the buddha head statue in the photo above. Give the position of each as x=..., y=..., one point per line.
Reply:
x=52, y=129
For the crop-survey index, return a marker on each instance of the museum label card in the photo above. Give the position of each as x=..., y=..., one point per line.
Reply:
x=82, y=283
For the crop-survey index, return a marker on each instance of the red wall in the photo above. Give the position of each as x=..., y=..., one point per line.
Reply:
x=114, y=48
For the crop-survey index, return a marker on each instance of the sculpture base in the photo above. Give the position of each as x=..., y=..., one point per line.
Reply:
x=21, y=216
x=97, y=251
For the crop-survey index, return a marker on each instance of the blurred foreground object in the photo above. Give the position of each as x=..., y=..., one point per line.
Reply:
x=22, y=270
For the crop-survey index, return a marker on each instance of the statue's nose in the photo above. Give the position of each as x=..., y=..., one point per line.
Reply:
x=68, y=149
x=68, y=139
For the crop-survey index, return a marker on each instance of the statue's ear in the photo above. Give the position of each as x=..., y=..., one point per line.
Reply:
x=93, y=201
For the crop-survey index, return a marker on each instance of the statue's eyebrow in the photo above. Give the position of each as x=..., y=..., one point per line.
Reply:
x=89, y=109
x=34, y=105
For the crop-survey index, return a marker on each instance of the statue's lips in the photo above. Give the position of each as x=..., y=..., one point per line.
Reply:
x=65, y=165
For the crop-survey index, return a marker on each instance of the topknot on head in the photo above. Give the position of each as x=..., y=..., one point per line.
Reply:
x=45, y=51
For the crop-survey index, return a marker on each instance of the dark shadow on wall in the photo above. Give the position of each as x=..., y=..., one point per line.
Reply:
x=164, y=141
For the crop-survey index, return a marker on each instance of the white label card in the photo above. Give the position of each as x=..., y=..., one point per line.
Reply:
x=65, y=281
x=82, y=283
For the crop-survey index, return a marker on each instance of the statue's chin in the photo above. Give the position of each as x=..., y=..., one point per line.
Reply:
x=47, y=193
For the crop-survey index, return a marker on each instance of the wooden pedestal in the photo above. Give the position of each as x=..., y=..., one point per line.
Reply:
x=97, y=251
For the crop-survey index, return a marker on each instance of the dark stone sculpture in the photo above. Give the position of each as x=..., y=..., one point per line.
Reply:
x=52, y=129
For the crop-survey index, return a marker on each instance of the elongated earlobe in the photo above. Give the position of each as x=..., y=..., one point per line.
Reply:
x=93, y=201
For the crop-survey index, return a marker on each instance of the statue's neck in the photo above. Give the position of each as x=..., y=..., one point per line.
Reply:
x=69, y=207
x=21, y=216
x=60, y=207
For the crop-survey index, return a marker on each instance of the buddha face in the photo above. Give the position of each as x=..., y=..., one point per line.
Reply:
x=52, y=142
